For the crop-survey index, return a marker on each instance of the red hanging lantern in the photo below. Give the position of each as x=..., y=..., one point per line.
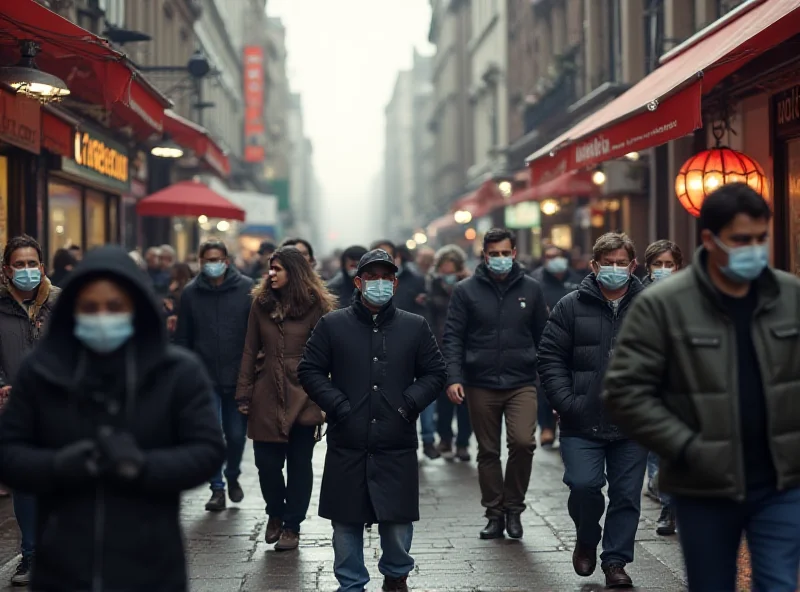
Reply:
x=709, y=170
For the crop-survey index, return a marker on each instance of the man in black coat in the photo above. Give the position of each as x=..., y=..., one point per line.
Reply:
x=494, y=323
x=341, y=285
x=107, y=424
x=558, y=280
x=373, y=369
x=576, y=347
x=214, y=310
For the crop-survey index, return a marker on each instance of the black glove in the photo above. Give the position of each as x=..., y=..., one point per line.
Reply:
x=121, y=453
x=77, y=462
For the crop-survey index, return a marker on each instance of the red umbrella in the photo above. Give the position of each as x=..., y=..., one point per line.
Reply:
x=189, y=198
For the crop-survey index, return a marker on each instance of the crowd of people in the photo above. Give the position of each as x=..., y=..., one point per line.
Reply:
x=127, y=379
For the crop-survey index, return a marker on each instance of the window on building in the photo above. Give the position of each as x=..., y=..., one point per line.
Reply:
x=95, y=219
x=653, y=34
x=114, y=11
x=614, y=41
x=65, y=216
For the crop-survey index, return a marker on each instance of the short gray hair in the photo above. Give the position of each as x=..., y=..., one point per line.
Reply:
x=168, y=251
x=613, y=241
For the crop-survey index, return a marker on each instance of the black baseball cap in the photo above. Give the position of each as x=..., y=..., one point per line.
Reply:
x=376, y=256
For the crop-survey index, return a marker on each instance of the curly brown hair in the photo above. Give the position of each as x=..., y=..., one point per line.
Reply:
x=303, y=291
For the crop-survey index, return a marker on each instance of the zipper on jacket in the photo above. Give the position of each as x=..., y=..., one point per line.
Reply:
x=99, y=528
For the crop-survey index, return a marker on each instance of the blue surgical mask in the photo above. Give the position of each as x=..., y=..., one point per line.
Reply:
x=352, y=273
x=745, y=263
x=500, y=265
x=612, y=277
x=104, y=333
x=215, y=270
x=661, y=273
x=27, y=279
x=449, y=278
x=556, y=265
x=378, y=292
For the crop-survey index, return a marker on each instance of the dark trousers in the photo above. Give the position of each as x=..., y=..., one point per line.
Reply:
x=445, y=410
x=587, y=463
x=234, y=426
x=711, y=530
x=25, y=513
x=287, y=500
x=487, y=408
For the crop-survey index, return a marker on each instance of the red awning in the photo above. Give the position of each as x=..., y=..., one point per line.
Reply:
x=481, y=201
x=666, y=104
x=188, y=198
x=58, y=132
x=197, y=139
x=94, y=72
x=577, y=184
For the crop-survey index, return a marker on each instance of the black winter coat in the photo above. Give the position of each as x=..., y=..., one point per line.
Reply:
x=576, y=348
x=362, y=373
x=410, y=285
x=555, y=289
x=126, y=536
x=342, y=287
x=213, y=324
x=493, y=330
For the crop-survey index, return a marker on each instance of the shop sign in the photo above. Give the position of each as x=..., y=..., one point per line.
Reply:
x=254, y=136
x=786, y=113
x=523, y=215
x=100, y=160
x=20, y=122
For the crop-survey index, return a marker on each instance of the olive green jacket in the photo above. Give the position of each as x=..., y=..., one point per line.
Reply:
x=672, y=383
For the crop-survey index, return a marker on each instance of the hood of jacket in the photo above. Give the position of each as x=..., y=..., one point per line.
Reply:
x=59, y=350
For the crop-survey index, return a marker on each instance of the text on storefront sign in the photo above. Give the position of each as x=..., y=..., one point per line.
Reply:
x=786, y=113
x=96, y=155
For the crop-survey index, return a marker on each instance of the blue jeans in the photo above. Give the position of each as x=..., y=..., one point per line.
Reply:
x=234, y=426
x=710, y=531
x=348, y=553
x=652, y=479
x=587, y=464
x=427, y=423
x=25, y=512
x=445, y=409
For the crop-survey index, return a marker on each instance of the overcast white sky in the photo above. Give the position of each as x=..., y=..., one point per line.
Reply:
x=344, y=56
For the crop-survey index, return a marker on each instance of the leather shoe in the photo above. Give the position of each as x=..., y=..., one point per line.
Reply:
x=514, y=525
x=584, y=560
x=395, y=584
x=616, y=577
x=494, y=529
x=274, y=527
x=666, y=522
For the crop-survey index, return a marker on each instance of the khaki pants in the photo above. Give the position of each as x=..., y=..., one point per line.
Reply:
x=486, y=409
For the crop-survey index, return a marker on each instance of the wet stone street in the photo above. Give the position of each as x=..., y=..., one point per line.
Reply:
x=227, y=553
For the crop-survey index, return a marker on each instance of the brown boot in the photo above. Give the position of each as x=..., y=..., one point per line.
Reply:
x=289, y=541
x=274, y=527
x=584, y=560
x=616, y=577
x=395, y=584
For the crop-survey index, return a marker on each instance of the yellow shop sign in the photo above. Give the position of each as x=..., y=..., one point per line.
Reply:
x=101, y=158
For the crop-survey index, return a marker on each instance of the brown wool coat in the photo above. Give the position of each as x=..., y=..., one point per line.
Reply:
x=268, y=385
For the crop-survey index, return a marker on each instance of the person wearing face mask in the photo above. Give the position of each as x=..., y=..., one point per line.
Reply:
x=494, y=325
x=558, y=279
x=27, y=299
x=372, y=368
x=661, y=259
x=449, y=268
x=341, y=285
x=576, y=346
x=106, y=425
x=706, y=375
x=214, y=309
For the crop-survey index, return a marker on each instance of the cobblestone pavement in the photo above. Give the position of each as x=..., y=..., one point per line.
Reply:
x=227, y=553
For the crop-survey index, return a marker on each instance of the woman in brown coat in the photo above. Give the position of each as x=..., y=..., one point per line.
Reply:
x=282, y=421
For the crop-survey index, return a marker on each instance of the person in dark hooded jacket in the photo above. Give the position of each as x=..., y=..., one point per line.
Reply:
x=577, y=344
x=215, y=307
x=341, y=286
x=107, y=424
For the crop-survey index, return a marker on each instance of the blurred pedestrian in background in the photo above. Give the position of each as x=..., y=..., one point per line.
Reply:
x=706, y=375
x=425, y=256
x=448, y=269
x=76, y=252
x=372, y=368
x=341, y=285
x=107, y=425
x=214, y=309
x=304, y=247
x=180, y=276
x=282, y=422
x=63, y=264
x=260, y=266
x=27, y=299
x=159, y=277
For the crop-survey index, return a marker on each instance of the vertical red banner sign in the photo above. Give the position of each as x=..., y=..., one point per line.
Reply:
x=254, y=137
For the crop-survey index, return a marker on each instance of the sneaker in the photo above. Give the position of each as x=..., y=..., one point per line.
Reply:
x=217, y=501
x=431, y=451
x=289, y=541
x=235, y=492
x=22, y=575
x=462, y=454
x=666, y=522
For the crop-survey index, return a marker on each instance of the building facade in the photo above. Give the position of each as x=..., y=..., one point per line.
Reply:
x=399, y=184
x=301, y=175
x=422, y=139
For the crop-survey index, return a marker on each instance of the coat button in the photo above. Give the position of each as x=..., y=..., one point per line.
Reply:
x=374, y=387
x=374, y=359
x=375, y=330
x=374, y=420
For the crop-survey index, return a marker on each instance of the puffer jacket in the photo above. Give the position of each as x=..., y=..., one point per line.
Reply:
x=673, y=382
x=493, y=330
x=577, y=344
